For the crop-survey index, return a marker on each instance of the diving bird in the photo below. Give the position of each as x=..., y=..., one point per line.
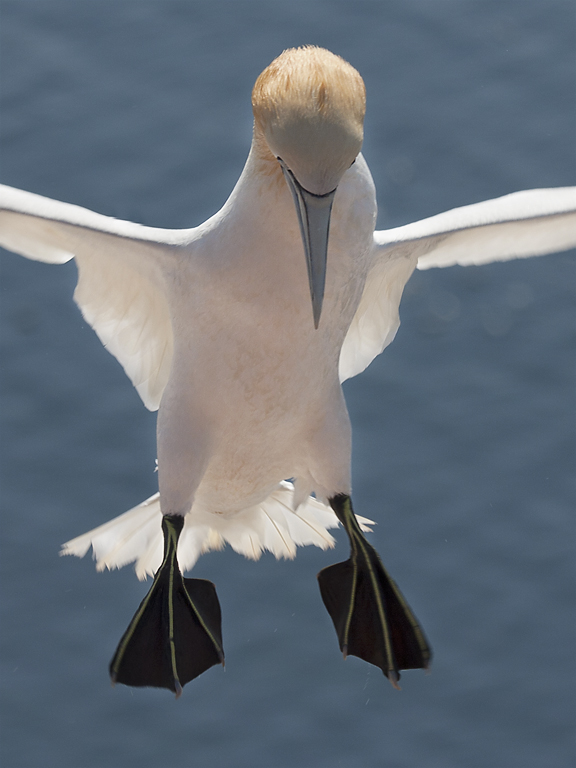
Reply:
x=240, y=332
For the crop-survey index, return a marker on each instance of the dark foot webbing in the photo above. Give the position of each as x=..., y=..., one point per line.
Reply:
x=176, y=633
x=372, y=619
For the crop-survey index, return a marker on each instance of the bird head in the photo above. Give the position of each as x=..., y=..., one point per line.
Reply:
x=309, y=106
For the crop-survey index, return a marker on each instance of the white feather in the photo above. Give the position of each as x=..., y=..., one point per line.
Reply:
x=273, y=525
x=120, y=284
x=529, y=223
x=376, y=320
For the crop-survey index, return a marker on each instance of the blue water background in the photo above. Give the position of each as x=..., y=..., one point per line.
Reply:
x=463, y=430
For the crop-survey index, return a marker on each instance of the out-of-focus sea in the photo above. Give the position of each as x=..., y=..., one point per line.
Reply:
x=464, y=439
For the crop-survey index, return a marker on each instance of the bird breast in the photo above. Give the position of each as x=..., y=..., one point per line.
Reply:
x=247, y=358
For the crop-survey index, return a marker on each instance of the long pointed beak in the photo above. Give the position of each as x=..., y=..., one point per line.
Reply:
x=314, y=219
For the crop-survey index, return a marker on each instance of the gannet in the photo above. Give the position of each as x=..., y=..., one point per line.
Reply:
x=240, y=332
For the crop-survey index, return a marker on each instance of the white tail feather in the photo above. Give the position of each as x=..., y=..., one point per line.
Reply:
x=273, y=525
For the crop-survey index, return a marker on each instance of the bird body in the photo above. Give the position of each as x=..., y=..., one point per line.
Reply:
x=258, y=385
x=215, y=328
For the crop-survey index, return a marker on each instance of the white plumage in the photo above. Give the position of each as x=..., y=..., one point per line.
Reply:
x=213, y=326
x=275, y=525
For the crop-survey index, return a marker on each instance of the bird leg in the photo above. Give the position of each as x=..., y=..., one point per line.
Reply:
x=176, y=633
x=371, y=617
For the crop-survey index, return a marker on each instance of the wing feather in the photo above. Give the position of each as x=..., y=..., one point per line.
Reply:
x=529, y=223
x=121, y=277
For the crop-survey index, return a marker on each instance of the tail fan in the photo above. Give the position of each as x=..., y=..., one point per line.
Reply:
x=274, y=525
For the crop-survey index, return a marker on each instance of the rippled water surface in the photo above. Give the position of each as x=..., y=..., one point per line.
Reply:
x=463, y=429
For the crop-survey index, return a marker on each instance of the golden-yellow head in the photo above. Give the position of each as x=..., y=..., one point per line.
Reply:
x=309, y=104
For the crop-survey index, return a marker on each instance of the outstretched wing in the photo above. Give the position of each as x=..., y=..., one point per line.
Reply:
x=121, y=277
x=530, y=223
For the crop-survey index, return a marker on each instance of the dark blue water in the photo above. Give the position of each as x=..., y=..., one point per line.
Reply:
x=464, y=429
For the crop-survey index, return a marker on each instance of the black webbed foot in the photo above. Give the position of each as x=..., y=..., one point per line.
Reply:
x=371, y=617
x=176, y=633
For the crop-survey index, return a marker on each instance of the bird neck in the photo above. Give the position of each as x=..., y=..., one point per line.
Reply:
x=261, y=161
x=261, y=188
